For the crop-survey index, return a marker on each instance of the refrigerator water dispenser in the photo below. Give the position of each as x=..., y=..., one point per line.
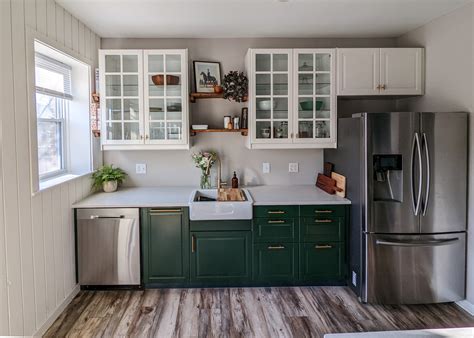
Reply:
x=388, y=178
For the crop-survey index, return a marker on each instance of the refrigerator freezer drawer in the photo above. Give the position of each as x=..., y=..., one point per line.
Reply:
x=415, y=269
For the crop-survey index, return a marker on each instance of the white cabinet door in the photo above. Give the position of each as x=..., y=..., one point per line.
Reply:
x=401, y=71
x=358, y=71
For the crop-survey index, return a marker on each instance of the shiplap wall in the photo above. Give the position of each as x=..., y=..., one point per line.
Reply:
x=37, y=267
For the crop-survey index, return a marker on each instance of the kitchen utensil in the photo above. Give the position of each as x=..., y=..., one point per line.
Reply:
x=266, y=104
x=159, y=80
x=200, y=126
x=340, y=183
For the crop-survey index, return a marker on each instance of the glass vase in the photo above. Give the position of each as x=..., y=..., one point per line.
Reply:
x=205, y=181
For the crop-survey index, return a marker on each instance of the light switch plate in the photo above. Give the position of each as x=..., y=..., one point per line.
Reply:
x=140, y=168
x=266, y=168
x=293, y=167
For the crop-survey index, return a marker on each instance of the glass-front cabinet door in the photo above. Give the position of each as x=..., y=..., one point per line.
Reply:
x=166, y=90
x=121, y=93
x=270, y=88
x=314, y=106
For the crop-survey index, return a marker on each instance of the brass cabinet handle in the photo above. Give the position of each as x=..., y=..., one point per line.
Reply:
x=193, y=244
x=323, y=211
x=276, y=212
x=323, y=221
x=323, y=246
x=164, y=211
x=378, y=87
x=280, y=221
x=147, y=137
x=382, y=87
x=141, y=137
x=275, y=247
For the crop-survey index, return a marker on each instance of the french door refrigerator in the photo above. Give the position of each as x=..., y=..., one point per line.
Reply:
x=407, y=179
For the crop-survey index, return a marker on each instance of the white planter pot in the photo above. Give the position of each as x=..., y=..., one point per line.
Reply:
x=110, y=186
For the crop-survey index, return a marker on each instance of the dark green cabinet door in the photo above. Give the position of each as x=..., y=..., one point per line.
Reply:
x=275, y=262
x=221, y=257
x=322, y=262
x=165, y=238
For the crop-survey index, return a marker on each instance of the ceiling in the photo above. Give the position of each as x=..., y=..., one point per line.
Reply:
x=257, y=18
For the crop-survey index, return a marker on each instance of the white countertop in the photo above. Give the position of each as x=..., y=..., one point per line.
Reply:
x=143, y=197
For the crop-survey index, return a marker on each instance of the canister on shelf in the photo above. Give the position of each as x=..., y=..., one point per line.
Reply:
x=236, y=122
x=226, y=121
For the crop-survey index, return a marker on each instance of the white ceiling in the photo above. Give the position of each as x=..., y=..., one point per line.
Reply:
x=257, y=18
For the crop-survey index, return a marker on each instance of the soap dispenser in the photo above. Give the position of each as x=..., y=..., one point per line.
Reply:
x=235, y=181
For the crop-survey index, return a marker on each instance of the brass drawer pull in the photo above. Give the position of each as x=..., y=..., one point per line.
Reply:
x=163, y=211
x=323, y=211
x=277, y=212
x=276, y=221
x=323, y=221
x=323, y=246
x=193, y=244
x=275, y=247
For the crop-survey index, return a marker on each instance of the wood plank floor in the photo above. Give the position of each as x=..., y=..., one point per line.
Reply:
x=242, y=312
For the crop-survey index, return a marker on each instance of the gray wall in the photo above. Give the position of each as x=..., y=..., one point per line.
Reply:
x=176, y=168
x=448, y=43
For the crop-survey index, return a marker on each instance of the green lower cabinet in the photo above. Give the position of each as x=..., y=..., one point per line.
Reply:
x=320, y=262
x=221, y=257
x=275, y=263
x=165, y=238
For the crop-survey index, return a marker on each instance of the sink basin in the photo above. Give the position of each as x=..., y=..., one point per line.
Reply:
x=203, y=205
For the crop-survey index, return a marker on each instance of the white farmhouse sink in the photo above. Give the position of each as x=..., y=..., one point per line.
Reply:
x=203, y=205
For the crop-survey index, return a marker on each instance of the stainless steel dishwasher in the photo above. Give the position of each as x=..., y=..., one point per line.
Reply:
x=108, y=246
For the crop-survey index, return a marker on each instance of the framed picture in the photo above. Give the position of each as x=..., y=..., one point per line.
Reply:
x=207, y=74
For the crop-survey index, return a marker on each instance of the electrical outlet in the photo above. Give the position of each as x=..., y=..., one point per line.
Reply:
x=140, y=168
x=354, y=278
x=266, y=168
x=293, y=167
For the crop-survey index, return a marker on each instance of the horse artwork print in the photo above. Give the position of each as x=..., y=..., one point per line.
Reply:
x=207, y=74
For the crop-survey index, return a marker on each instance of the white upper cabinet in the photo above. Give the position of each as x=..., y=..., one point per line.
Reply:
x=380, y=71
x=144, y=99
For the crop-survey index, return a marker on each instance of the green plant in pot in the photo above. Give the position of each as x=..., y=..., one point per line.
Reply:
x=107, y=178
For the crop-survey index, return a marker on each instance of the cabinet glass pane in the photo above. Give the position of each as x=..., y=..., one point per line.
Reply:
x=154, y=90
x=155, y=64
x=157, y=109
x=173, y=109
x=114, y=131
x=130, y=109
x=280, y=84
x=305, y=84
x=323, y=107
x=264, y=106
x=322, y=129
x=305, y=62
x=173, y=63
x=263, y=129
x=305, y=129
x=112, y=63
x=131, y=131
x=173, y=85
x=280, y=108
x=130, y=85
x=130, y=64
x=113, y=85
x=323, y=62
x=262, y=63
x=323, y=84
x=113, y=109
x=174, y=130
x=280, y=129
x=262, y=83
x=305, y=108
x=280, y=62
x=157, y=130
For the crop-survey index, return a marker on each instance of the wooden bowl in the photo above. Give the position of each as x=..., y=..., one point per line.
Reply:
x=159, y=80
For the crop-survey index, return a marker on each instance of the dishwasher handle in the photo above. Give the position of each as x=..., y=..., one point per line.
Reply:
x=106, y=217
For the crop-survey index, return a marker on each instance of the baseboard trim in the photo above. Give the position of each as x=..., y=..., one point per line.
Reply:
x=42, y=330
x=466, y=306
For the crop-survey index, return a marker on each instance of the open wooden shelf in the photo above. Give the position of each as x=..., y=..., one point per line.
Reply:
x=194, y=96
x=243, y=132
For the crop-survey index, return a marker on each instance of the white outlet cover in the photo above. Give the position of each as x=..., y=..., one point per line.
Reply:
x=140, y=168
x=266, y=168
x=293, y=167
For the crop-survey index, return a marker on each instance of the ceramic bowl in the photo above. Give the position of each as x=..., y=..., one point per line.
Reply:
x=266, y=104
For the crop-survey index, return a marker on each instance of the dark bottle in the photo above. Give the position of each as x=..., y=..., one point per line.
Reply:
x=235, y=181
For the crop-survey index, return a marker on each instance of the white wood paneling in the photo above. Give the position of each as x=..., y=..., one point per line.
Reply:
x=37, y=262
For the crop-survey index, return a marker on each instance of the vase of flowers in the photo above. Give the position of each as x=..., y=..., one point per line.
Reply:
x=204, y=161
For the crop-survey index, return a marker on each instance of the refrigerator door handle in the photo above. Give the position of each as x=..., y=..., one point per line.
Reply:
x=415, y=243
x=416, y=150
x=428, y=174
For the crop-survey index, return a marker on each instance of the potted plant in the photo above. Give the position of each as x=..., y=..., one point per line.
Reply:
x=107, y=178
x=204, y=161
x=235, y=86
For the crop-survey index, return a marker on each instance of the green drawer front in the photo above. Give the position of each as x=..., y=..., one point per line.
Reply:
x=221, y=225
x=322, y=229
x=275, y=229
x=322, y=261
x=323, y=211
x=280, y=211
x=276, y=262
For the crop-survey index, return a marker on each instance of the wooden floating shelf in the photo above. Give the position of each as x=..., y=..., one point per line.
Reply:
x=194, y=96
x=243, y=132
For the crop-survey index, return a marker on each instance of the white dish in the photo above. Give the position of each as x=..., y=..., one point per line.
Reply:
x=266, y=104
x=200, y=126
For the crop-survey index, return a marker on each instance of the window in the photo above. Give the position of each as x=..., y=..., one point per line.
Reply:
x=53, y=95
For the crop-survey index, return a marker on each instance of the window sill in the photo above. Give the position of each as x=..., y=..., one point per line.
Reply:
x=55, y=181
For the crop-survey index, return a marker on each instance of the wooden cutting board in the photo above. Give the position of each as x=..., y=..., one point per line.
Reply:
x=230, y=194
x=340, y=183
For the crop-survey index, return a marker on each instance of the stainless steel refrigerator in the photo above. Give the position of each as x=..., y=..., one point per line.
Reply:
x=407, y=179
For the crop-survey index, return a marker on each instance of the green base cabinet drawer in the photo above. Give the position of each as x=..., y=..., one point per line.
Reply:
x=322, y=261
x=275, y=262
x=221, y=257
x=280, y=211
x=315, y=229
x=275, y=230
x=323, y=211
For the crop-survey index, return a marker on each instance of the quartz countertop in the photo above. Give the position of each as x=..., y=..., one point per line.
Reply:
x=143, y=197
